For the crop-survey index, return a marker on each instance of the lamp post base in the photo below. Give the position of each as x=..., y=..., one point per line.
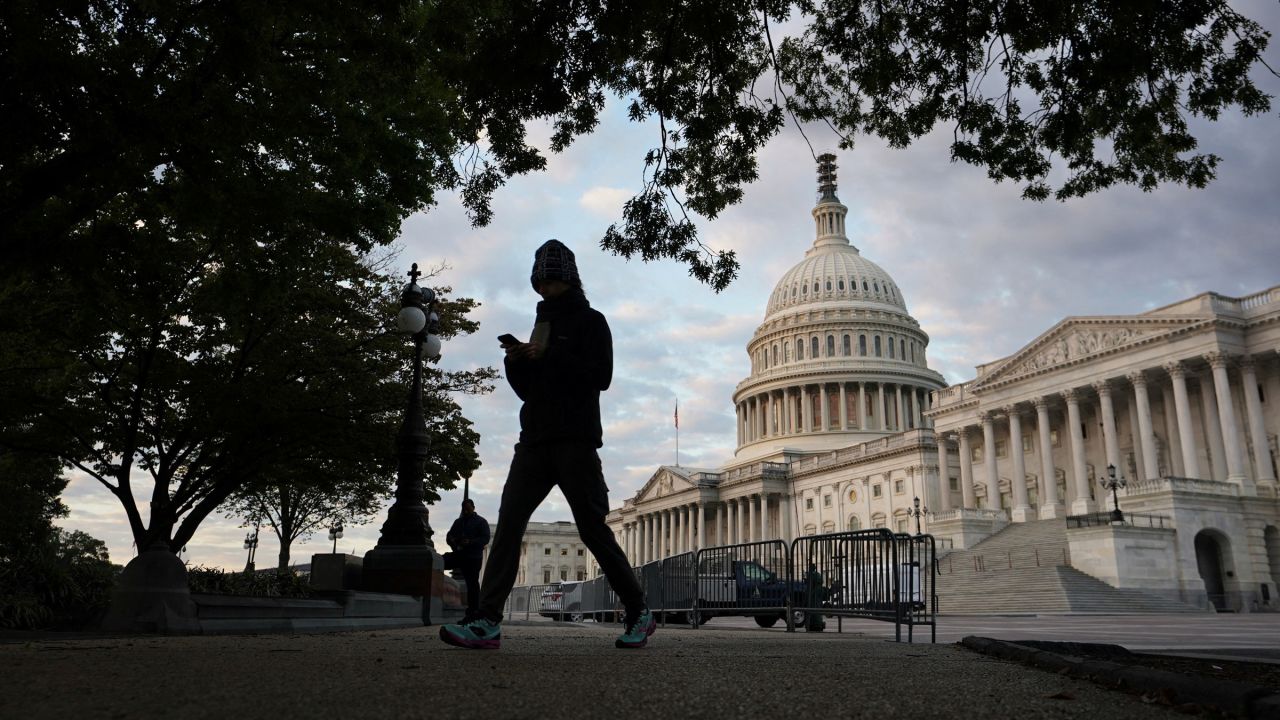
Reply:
x=405, y=570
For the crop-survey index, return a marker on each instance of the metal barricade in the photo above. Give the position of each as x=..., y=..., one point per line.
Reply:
x=751, y=579
x=872, y=574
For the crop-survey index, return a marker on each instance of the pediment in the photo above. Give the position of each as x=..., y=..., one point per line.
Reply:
x=1077, y=339
x=665, y=481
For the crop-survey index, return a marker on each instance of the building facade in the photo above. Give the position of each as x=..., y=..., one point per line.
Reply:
x=552, y=552
x=841, y=425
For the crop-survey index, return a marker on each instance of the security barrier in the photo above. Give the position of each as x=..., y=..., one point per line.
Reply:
x=874, y=574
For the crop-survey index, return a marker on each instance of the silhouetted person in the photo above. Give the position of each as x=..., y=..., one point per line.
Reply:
x=468, y=537
x=559, y=374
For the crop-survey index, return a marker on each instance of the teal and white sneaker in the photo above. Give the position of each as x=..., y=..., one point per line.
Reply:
x=478, y=634
x=636, y=630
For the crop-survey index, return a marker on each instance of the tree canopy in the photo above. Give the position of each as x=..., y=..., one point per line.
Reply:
x=341, y=118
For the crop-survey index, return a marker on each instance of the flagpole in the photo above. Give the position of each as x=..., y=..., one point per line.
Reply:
x=677, y=416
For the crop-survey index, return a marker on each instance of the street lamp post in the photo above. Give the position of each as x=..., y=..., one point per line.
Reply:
x=403, y=560
x=335, y=533
x=250, y=544
x=917, y=513
x=1114, y=482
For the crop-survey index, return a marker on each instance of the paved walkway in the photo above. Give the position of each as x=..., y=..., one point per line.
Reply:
x=544, y=670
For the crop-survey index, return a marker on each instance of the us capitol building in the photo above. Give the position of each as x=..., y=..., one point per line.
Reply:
x=841, y=425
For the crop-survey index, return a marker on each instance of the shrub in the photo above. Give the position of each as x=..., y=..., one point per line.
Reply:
x=265, y=583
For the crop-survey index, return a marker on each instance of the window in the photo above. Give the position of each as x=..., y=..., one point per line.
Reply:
x=864, y=286
x=831, y=346
x=878, y=520
x=775, y=354
x=579, y=552
x=840, y=284
x=813, y=348
x=876, y=490
x=877, y=346
x=913, y=351
x=808, y=503
x=546, y=576
x=564, y=552
x=1026, y=443
x=875, y=286
x=828, y=286
x=1002, y=449
x=855, y=523
x=902, y=525
x=810, y=529
x=546, y=551
x=804, y=290
x=582, y=574
x=564, y=574
x=816, y=287
x=799, y=349
x=898, y=486
x=846, y=347
x=976, y=453
x=902, y=348
x=890, y=346
x=862, y=345
x=955, y=484
x=826, y=501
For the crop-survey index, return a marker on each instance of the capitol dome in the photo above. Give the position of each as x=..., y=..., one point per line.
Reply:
x=838, y=359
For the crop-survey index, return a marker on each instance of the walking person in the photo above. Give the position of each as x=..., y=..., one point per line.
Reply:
x=468, y=538
x=559, y=375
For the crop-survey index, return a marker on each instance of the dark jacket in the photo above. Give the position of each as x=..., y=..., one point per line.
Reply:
x=561, y=389
x=472, y=528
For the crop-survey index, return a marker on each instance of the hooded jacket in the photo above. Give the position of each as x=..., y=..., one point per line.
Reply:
x=561, y=388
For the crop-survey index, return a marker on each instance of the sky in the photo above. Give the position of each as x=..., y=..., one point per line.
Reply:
x=983, y=271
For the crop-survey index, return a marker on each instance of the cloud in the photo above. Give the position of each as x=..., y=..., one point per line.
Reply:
x=605, y=201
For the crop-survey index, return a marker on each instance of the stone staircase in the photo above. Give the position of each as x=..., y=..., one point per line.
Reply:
x=1026, y=569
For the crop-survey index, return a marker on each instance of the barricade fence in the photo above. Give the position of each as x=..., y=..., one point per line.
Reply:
x=874, y=574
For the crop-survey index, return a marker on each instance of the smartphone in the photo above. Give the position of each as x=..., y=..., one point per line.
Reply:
x=508, y=339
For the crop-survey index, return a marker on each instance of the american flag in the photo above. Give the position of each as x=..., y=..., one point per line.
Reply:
x=677, y=414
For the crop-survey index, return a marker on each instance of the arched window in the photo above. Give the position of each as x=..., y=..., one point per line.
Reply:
x=816, y=286
x=810, y=529
x=813, y=347
x=804, y=290
x=831, y=346
x=786, y=351
x=875, y=286
x=846, y=348
x=799, y=349
x=902, y=349
x=862, y=345
x=775, y=354
x=864, y=286
x=913, y=351
x=890, y=346
x=793, y=291
x=828, y=286
x=855, y=523
x=878, y=520
x=840, y=284
x=877, y=346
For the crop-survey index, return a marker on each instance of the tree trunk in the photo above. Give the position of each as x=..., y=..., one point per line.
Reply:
x=284, y=555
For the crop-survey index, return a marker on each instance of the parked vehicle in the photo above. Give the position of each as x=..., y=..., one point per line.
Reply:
x=745, y=587
x=562, y=601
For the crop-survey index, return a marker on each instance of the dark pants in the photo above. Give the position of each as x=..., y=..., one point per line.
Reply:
x=471, y=575
x=575, y=467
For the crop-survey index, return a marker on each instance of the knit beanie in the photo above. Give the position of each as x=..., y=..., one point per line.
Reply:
x=554, y=261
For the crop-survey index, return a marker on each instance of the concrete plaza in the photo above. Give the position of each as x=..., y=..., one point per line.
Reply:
x=548, y=669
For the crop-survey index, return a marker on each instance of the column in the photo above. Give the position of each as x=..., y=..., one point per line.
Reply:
x=944, y=475
x=826, y=407
x=899, y=413
x=1109, y=438
x=764, y=517
x=677, y=530
x=1257, y=431
x=785, y=514
x=1230, y=428
x=740, y=535
x=1145, y=433
x=917, y=399
x=1082, y=505
x=1139, y=457
x=786, y=412
x=690, y=522
x=966, y=471
x=1021, y=506
x=1182, y=406
x=817, y=504
x=879, y=410
x=1176, y=468
x=806, y=410
x=1212, y=428
x=844, y=408
x=751, y=520
x=700, y=510
x=717, y=535
x=989, y=459
x=1050, y=506
x=862, y=406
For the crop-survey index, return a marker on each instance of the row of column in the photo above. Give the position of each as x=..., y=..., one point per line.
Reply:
x=1219, y=420
x=779, y=413
x=685, y=528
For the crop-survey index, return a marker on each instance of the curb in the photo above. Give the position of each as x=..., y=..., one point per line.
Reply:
x=1243, y=699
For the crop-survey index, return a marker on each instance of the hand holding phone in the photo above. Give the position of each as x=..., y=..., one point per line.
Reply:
x=507, y=340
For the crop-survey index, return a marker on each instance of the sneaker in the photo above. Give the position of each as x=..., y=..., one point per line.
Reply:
x=636, y=630
x=479, y=634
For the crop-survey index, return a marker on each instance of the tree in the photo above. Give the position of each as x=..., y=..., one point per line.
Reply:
x=349, y=482
x=338, y=119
